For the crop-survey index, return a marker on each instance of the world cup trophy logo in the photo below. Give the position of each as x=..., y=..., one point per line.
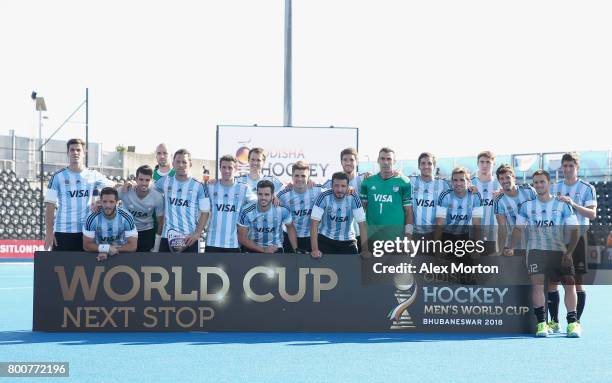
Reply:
x=177, y=242
x=406, y=294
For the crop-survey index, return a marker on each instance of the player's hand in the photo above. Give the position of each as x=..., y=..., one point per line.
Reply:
x=275, y=201
x=193, y=238
x=472, y=189
x=496, y=193
x=50, y=241
x=102, y=257
x=396, y=173
x=96, y=206
x=211, y=181
x=270, y=249
x=366, y=254
x=564, y=198
x=567, y=260
x=508, y=252
x=368, y=174
x=310, y=184
x=114, y=250
x=128, y=185
x=316, y=254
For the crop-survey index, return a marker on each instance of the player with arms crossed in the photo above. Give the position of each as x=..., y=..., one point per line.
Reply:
x=488, y=187
x=457, y=209
x=186, y=206
x=425, y=193
x=145, y=203
x=260, y=228
x=110, y=230
x=387, y=198
x=331, y=231
x=582, y=198
x=71, y=190
x=300, y=199
x=546, y=218
x=227, y=199
x=506, y=206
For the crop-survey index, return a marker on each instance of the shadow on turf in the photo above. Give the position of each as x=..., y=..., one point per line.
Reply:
x=11, y=338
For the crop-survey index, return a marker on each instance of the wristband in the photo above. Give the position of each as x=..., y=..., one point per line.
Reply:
x=103, y=248
x=155, y=248
x=409, y=228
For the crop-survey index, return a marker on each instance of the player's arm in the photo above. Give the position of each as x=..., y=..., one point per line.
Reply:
x=292, y=234
x=477, y=214
x=408, y=212
x=571, y=221
x=204, y=204
x=518, y=230
x=315, y=220
x=502, y=231
x=243, y=238
x=441, y=211
x=363, y=195
x=50, y=204
x=130, y=246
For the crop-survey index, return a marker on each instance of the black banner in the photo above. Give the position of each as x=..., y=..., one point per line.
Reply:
x=256, y=292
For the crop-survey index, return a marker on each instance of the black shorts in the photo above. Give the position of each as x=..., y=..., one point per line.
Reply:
x=547, y=262
x=302, y=242
x=165, y=248
x=214, y=249
x=146, y=240
x=579, y=255
x=330, y=246
x=68, y=242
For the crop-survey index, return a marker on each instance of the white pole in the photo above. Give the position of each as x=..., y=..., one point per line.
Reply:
x=287, y=98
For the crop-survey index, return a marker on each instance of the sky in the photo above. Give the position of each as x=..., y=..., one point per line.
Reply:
x=450, y=77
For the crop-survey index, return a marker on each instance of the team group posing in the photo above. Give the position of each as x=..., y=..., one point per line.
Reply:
x=255, y=213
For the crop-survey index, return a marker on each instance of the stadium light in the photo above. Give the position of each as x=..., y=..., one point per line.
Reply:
x=41, y=107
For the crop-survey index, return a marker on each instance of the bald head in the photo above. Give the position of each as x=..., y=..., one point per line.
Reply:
x=161, y=155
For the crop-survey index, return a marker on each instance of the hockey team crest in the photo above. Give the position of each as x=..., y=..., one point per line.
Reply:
x=176, y=241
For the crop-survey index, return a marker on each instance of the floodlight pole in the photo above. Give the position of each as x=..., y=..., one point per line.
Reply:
x=86, y=127
x=42, y=180
x=287, y=98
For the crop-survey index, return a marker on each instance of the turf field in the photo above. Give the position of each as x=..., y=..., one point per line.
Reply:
x=304, y=357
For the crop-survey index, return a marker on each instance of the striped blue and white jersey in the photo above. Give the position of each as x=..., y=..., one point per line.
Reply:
x=265, y=227
x=355, y=183
x=581, y=192
x=424, y=199
x=252, y=184
x=183, y=203
x=110, y=231
x=226, y=202
x=457, y=211
x=546, y=223
x=336, y=215
x=300, y=205
x=507, y=207
x=488, y=222
x=73, y=194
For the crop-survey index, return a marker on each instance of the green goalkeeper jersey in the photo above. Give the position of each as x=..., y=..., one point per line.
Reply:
x=385, y=200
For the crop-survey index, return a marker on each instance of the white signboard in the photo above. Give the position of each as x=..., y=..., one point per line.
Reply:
x=319, y=147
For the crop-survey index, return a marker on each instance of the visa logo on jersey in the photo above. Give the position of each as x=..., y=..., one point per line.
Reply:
x=139, y=214
x=302, y=213
x=383, y=198
x=458, y=217
x=225, y=207
x=265, y=229
x=544, y=223
x=179, y=202
x=111, y=238
x=338, y=218
x=487, y=202
x=78, y=193
x=425, y=202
